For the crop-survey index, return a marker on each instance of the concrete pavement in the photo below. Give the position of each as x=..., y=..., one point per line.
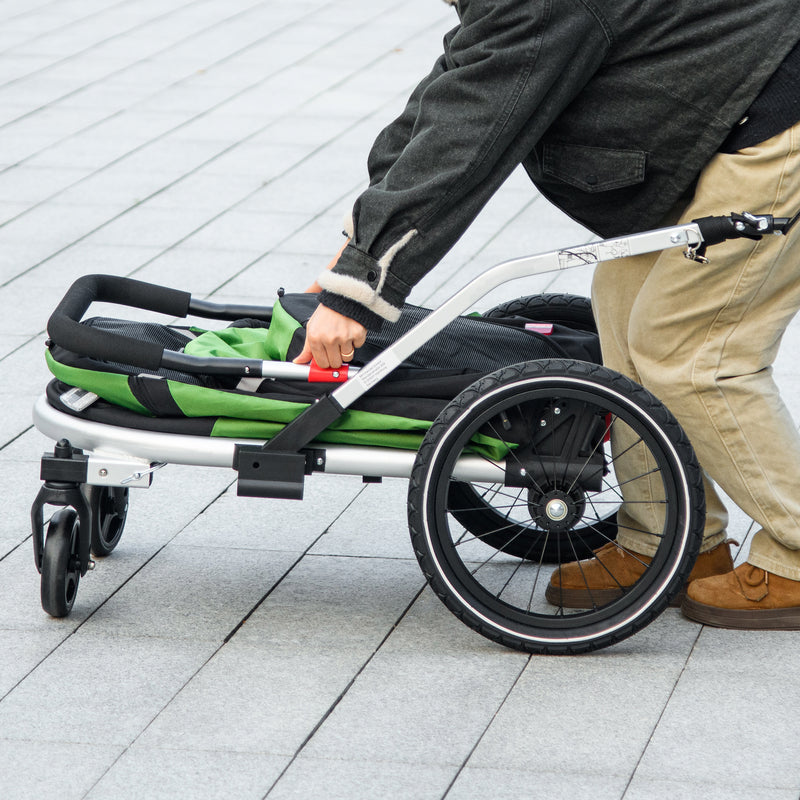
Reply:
x=215, y=146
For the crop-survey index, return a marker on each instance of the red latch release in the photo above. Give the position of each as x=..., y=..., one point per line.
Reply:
x=318, y=375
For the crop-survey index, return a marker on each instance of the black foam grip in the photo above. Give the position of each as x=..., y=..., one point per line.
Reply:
x=65, y=329
x=716, y=229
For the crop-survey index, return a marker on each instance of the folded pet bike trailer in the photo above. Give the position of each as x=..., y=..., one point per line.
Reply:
x=519, y=449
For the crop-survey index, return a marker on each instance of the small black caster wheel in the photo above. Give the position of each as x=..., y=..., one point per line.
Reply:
x=109, y=505
x=61, y=571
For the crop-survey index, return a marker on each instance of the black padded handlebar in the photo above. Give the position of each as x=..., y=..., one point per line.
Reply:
x=65, y=329
x=742, y=226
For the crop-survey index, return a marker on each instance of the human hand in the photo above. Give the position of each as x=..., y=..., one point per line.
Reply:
x=331, y=338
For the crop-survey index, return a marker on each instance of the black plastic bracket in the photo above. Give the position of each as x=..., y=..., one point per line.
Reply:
x=265, y=474
x=64, y=466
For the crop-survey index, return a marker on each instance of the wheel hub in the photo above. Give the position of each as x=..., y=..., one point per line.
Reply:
x=554, y=509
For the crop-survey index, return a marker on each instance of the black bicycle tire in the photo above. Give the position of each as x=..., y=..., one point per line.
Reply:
x=60, y=577
x=558, y=307
x=590, y=630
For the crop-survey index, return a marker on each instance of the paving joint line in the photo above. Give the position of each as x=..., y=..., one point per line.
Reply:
x=486, y=729
x=173, y=85
x=85, y=50
x=260, y=131
x=346, y=690
x=661, y=714
x=205, y=163
x=225, y=640
x=30, y=12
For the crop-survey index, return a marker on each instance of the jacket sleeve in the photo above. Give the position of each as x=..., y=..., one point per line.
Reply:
x=507, y=71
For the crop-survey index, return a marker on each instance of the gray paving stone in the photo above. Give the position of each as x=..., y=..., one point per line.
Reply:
x=92, y=150
x=20, y=479
x=289, y=194
x=117, y=186
x=54, y=226
x=100, y=690
x=35, y=769
x=153, y=227
x=346, y=779
x=592, y=714
x=259, y=283
x=23, y=377
x=731, y=698
x=204, y=190
x=19, y=655
x=13, y=342
x=198, y=270
x=373, y=525
x=267, y=689
x=334, y=603
x=513, y=780
x=10, y=543
x=642, y=789
x=258, y=115
x=51, y=280
x=193, y=593
x=425, y=698
x=245, y=231
x=270, y=524
x=159, y=774
x=265, y=160
x=321, y=236
x=151, y=523
x=10, y=210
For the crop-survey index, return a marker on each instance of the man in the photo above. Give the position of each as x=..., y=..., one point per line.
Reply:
x=628, y=115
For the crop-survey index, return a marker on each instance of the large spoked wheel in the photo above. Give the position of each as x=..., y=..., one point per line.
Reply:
x=541, y=431
x=61, y=563
x=488, y=510
x=109, y=505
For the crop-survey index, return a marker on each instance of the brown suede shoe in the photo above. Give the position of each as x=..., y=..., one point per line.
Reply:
x=603, y=578
x=748, y=597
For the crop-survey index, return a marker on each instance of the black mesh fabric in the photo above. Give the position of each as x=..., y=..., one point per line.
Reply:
x=473, y=344
x=170, y=338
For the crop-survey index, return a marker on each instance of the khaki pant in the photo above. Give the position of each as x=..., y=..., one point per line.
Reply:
x=703, y=337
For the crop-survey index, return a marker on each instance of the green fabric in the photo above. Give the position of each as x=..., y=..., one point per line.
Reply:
x=402, y=440
x=108, y=385
x=254, y=429
x=265, y=344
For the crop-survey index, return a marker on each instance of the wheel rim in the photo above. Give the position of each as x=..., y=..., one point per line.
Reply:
x=501, y=589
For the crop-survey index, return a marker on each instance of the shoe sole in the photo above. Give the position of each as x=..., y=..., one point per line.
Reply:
x=762, y=619
x=582, y=598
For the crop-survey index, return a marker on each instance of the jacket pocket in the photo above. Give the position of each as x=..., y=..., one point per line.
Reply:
x=593, y=169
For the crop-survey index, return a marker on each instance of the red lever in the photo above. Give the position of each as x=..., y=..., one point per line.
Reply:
x=318, y=375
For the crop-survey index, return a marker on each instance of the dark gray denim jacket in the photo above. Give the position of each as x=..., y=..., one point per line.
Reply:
x=613, y=107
